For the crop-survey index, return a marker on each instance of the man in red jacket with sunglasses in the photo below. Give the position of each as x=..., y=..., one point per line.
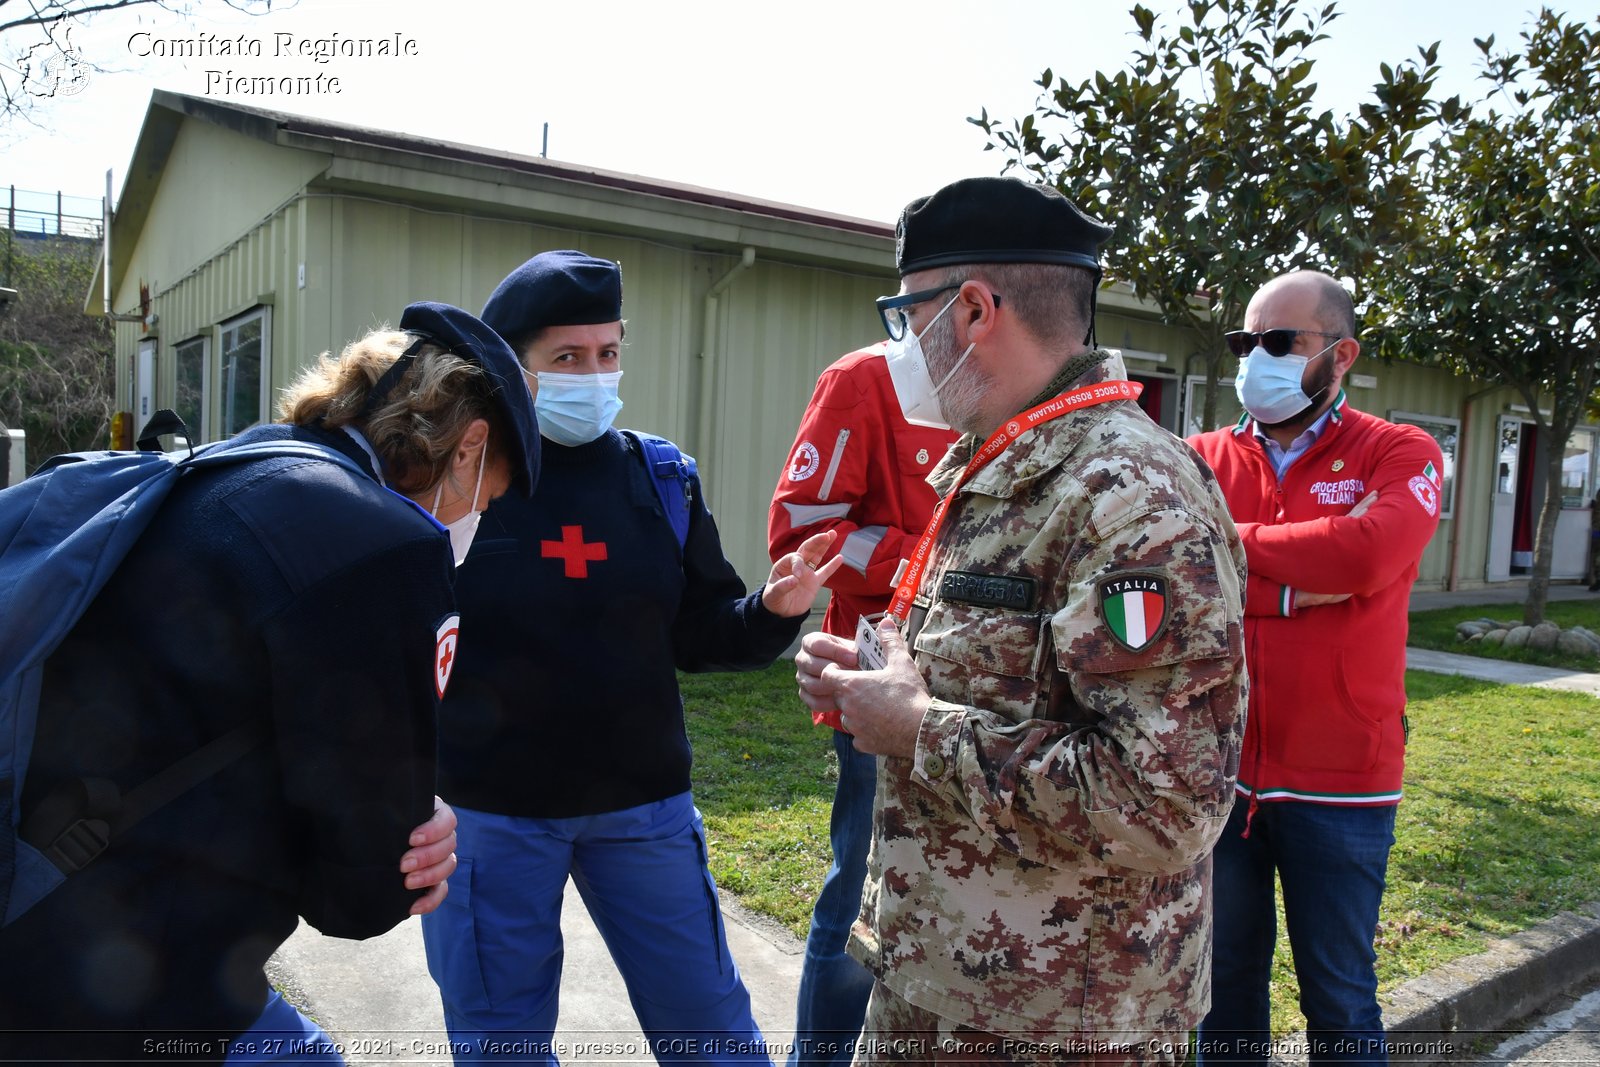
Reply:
x=1335, y=507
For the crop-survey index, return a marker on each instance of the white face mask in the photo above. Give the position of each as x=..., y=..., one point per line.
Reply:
x=464, y=529
x=913, y=383
x=1269, y=387
x=574, y=409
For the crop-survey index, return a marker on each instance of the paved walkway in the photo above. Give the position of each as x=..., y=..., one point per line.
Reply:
x=376, y=998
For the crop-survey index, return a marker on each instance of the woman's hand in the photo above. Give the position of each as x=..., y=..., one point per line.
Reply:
x=431, y=858
x=796, y=576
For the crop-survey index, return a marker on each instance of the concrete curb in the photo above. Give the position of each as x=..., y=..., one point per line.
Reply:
x=1432, y=1018
x=1480, y=994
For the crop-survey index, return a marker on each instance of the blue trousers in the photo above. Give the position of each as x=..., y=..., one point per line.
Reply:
x=834, y=988
x=282, y=1035
x=494, y=946
x=1331, y=861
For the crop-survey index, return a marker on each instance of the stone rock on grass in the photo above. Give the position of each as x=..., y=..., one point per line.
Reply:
x=1518, y=636
x=1495, y=637
x=1572, y=643
x=1543, y=638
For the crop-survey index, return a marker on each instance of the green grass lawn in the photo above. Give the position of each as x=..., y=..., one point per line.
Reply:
x=1437, y=630
x=1496, y=832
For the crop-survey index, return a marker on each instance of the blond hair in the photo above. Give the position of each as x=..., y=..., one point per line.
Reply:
x=417, y=426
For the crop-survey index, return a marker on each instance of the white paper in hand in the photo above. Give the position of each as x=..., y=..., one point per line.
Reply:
x=869, y=646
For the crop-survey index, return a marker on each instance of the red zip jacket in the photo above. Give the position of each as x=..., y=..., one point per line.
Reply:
x=859, y=468
x=1327, y=683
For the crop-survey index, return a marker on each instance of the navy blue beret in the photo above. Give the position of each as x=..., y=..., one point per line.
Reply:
x=996, y=220
x=565, y=288
x=450, y=327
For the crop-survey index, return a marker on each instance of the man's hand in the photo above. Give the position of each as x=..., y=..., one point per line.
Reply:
x=432, y=858
x=883, y=709
x=1362, y=505
x=796, y=576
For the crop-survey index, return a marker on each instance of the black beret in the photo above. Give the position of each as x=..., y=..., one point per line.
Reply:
x=565, y=288
x=450, y=327
x=996, y=220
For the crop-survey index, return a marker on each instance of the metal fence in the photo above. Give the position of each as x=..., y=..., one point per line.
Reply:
x=29, y=213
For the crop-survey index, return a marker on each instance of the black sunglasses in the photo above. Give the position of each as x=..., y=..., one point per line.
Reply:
x=1276, y=342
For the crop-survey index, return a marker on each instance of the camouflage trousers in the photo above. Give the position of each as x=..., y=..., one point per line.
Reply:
x=898, y=1031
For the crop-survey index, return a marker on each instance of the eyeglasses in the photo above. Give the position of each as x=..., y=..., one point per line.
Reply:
x=892, y=309
x=1276, y=342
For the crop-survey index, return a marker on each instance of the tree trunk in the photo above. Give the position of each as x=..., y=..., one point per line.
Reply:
x=1545, y=539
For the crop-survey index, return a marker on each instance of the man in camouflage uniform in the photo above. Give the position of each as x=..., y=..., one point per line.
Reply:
x=1061, y=750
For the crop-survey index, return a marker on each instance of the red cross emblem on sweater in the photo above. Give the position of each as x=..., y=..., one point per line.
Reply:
x=444, y=654
x=573, y=552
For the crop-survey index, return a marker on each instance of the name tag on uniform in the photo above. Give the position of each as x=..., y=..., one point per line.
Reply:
x=869, y=646
x=988, y=590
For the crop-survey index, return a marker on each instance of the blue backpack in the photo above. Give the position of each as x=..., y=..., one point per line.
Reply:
x=670, y=472
x=63, y=533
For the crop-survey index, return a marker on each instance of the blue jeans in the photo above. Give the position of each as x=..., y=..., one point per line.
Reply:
x=1331, y=860
x=494, y=945
x=833, y=987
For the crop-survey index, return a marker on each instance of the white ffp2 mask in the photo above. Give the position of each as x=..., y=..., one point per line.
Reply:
x=913, y=382
x=464, y=529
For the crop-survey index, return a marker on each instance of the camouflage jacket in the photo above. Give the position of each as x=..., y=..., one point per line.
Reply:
x=1042, y=864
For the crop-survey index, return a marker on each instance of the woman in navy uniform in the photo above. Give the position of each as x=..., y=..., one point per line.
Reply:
x=562, y=743
x=311, y=598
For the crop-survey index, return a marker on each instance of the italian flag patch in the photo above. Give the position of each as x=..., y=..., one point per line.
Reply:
x=1134, y=607
x=1431, y=472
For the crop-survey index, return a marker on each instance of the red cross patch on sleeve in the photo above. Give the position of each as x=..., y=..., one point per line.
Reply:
x=444, y=652
x=1426, y=492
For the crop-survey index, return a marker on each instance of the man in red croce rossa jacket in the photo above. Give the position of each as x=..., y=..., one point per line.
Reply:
x=1334, y=507
x=856, y=467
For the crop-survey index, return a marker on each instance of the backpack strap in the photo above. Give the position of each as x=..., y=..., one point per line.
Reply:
x=163, y=422
x=219, y=455
x=671, y=473
x=78, y=819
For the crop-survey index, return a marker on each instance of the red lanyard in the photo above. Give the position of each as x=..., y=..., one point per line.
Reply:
x=998, y=442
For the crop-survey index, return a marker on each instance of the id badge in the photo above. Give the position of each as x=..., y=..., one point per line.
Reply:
x=869, y=646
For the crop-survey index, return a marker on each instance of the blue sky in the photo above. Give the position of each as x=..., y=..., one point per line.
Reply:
x=852, y=107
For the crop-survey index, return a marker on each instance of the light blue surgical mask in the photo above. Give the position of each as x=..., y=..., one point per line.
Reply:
x=1269, y=387
x=574, y=409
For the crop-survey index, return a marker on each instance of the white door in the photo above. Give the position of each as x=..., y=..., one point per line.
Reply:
x=1508, y=457
x=144, y=386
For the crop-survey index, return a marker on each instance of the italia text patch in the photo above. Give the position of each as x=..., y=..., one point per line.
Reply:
x=1134, y=607
x=987, y=590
